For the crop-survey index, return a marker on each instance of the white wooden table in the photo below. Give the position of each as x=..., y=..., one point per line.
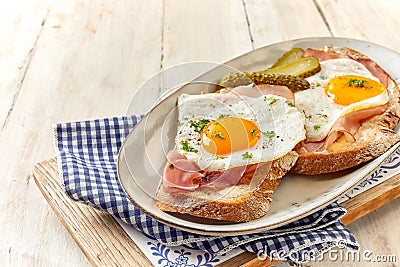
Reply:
x=75, y=60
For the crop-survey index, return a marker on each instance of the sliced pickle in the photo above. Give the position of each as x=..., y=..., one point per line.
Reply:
x=237, y=79
x=288, y=64
x=289, y=56
x=234, y=79
x=303, y=67
x=292, y=82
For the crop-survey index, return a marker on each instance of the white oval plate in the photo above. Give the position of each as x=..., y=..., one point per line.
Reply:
x=142, y=156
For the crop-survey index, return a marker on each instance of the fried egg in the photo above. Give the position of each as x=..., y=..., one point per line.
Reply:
x=223, y=130
x=341, y=87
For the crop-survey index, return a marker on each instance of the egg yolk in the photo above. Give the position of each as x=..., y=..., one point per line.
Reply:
x=348, y=89
x=226, y=135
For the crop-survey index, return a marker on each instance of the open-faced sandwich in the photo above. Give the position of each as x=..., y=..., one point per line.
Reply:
x=312, y=112
x=232, y=148
x=350, y=110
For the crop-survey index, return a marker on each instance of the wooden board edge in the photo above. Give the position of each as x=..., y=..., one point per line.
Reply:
x=357, y=207
x=121, y=252
x=371, y=199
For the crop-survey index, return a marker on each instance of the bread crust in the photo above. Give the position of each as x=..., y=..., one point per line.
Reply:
x=374, y=137
x=245, y=207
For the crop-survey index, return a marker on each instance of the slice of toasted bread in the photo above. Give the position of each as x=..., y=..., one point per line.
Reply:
x=239, y=203
x=374, y=137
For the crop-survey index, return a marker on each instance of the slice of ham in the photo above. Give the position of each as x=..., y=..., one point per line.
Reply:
x=374, y=68
x=347, y=125
x=181, y=162
x=265, y=89
x=371, y=65
x=223, y=179
x=322, y=55
x=311, y=147
x=180, y=173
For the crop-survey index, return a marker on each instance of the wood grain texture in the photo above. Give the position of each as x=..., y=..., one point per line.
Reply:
x=375, y=21
x=89, y=59
x=73, y=60
x=207, y=31
x=105, y=243
x=99, y=236
x=20, y=27
x=201, y=43
x=371, y=199
x=273, y=21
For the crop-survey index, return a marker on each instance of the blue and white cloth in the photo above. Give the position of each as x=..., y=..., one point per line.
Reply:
x=87, y=153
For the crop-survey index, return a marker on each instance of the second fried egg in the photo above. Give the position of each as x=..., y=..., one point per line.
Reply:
x=341, y=87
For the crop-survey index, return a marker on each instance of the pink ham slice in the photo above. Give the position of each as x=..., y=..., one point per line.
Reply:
x=374, y=68
x=347, y=125
x=178, y=180
x=322, y=55
x=180, y=173
x=229, y=177
x=223, y=179
x=265, y=89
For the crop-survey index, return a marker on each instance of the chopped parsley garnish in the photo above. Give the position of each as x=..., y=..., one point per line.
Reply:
x=186, y=147
x=269, y=134
x=247, y=155
x=290, y=104
x=253, y=132
x=171, y=166
x=271, y=100
x=199, y=125
x=219, y=135
x=317, y=127
x=357, y=83
x=221, y=157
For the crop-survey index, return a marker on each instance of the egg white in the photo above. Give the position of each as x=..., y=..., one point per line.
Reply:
x=320, y=111
x=280, y=118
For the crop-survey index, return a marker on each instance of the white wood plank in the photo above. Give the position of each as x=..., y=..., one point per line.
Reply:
x=201, y=30
x=88, y=61
x=378, y=233
x=376, y=21
x=204, y=30
x=21, y=24
x=273, y=21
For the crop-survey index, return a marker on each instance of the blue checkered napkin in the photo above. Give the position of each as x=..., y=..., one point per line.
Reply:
x=87, y=153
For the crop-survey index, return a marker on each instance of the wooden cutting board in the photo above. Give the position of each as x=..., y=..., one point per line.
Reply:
x=105, y=243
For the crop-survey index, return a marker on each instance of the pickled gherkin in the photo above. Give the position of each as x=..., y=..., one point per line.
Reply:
x=237, y=79
x=234, y=79
x=292, y=82
x=289, y=69
x=303, y=67
x=289, y=56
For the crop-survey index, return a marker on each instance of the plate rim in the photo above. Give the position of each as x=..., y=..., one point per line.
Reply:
x=254, y=229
